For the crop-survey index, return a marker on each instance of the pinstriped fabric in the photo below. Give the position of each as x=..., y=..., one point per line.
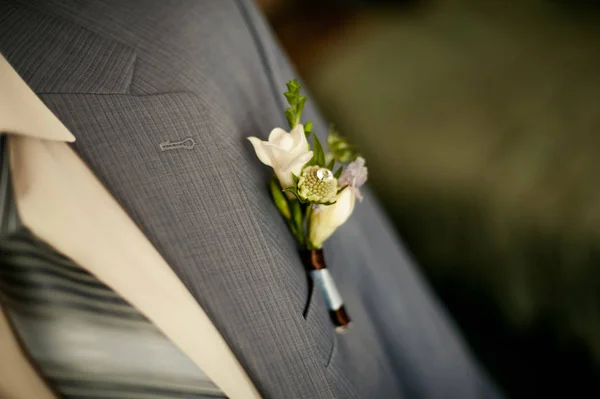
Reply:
x=206, y=209
x=89, y=66
x=87, y=341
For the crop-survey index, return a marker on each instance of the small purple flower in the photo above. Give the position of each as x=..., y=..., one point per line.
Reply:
x=355, y=175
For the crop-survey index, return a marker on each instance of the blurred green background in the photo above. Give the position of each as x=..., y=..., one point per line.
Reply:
x=480, y=121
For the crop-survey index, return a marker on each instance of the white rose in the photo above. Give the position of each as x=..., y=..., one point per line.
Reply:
x=327, y=218
x=285, y=152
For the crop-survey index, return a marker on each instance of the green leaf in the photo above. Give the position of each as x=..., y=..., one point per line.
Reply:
x=296, y=102
x=339, y=147
x=294, y=191
x=342, y=189
x=292, y=227
x=291, y=98
x=331, y=164
x=295, y=179
x=327, y=203
x=280, y=200
x=319, y=154
x=293, y=85
x=297, y=214
x=308, y=131
x=300, y=104
x=338, y=172
x=308, y=127
x=297, y=217
x=290, y=116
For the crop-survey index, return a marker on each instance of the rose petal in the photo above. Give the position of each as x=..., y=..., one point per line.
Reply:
x=285, y=179
x=278, y=156
x=297, y=133
x=295, y=165
x=300, y=142
x=286, y=143
x=261, y=152
x=281, y=138
x=276, y=135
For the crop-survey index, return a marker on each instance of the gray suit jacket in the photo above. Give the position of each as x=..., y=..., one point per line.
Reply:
x=126, y=76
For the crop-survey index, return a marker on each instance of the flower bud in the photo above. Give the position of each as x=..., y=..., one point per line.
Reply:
x=327, y=218
x=279, y=199
x=286, y=153
x=317, y=185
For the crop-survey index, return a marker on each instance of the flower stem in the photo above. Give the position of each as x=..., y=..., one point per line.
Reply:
x=309, y=210
x=297, y=220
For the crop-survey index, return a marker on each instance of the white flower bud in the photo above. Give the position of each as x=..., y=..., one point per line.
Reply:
x=327, y=218
x=285, y=152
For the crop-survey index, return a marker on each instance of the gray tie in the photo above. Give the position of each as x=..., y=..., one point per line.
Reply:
x=86, y=340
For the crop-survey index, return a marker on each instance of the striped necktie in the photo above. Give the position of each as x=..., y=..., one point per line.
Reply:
x=86, y=340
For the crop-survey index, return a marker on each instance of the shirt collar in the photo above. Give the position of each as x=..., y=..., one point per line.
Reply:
x=23, y=113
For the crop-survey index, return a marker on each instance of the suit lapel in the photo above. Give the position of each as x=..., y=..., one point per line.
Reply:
x=55, y=56
x=207, y=211
x=61, y=202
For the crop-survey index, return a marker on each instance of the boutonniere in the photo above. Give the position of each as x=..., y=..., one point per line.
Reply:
x=315, y=190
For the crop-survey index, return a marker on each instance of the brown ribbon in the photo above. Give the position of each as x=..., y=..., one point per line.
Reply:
x=314, y=260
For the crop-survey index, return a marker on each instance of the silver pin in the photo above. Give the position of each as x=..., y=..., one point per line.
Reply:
x=186, y=144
